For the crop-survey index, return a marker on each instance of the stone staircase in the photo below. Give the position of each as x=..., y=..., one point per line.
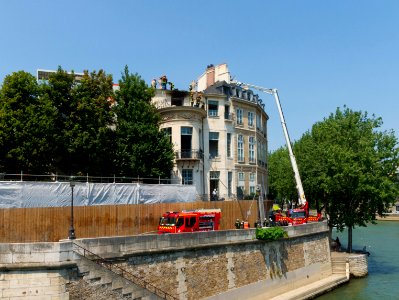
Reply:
x=97, y=275
x=340, y=265
x=103, y=275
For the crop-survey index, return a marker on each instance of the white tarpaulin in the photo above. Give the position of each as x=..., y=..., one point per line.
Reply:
x=14, y=194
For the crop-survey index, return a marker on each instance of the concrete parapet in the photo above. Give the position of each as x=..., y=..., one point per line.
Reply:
x=109, y=247
x=36, y=253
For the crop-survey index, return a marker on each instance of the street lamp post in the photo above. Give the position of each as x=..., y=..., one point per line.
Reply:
x=71, y=234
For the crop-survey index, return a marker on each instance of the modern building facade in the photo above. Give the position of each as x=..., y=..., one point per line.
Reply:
x=219, y=134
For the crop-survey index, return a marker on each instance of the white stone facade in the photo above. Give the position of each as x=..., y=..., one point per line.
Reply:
x=219, y=134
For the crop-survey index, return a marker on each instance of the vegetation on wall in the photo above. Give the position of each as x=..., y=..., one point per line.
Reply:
x=270, y=234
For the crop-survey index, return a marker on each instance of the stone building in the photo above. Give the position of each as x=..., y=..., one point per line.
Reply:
x=219, y=133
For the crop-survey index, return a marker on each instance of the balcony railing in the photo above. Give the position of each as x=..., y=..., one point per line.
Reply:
x=229, y=117
x=189, y=154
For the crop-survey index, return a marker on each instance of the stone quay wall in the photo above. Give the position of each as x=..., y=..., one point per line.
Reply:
x=222, y=264
x=212, y=265
x=35, y=271
x=358, y=265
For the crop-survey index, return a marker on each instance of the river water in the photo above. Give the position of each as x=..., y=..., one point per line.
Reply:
x=382, y=282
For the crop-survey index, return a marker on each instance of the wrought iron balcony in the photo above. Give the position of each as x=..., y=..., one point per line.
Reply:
x=189, y=154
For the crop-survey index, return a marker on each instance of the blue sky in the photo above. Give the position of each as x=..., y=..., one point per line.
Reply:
x=320, y=55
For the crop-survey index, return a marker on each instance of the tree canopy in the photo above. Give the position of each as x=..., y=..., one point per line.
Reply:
x=142, y=149
x=26, y=125
x=281, y=177
x=83, y=134
x=72, y=127
x=350, y=167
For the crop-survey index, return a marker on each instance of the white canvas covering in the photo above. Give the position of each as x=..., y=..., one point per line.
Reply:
x=14, y=194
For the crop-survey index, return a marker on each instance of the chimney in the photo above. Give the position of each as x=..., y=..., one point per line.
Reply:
x=210, y=75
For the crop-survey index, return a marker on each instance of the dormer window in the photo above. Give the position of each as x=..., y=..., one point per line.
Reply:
x=226, y=90
x=249, y=95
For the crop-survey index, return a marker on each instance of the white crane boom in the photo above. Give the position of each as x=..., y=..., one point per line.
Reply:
x=301, y=193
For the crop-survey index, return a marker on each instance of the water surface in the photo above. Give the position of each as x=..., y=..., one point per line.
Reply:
x=382, y=282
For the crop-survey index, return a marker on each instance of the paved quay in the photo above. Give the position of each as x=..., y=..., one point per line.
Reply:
x=312, y=290
x=357, y=268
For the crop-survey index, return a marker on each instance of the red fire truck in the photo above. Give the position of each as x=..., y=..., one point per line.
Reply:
x=190, y=221
x=296, y=216
x=292, y=217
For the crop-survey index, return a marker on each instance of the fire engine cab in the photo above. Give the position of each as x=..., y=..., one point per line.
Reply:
x=190, y=221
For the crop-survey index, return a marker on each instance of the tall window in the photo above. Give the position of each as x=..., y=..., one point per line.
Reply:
x=185, y=141
x=250, y=119
x=252, y=183
x=241, y=177
x=230, y=183
x=239, y=116
x=213, y=144
x=213, y=108
x=227, y=112
x=257, y=121
x=241, y=185
x=251, y=147
x=228, y=144
x=187, y=176
x=252, y=190
x=240, y=148
x=252, y=177
x=264, y=128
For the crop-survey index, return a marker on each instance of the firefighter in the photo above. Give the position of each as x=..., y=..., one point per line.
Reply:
x=237, y=224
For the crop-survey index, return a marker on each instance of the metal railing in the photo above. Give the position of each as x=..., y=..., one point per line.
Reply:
x=122, y=272
x=85, y=178
x=229, y=116
x=189, y=154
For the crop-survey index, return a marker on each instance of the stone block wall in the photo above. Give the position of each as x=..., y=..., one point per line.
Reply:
x=358, y=265
x=34, y=284
x=208, y=271
x=35, y=271
x=213, y=265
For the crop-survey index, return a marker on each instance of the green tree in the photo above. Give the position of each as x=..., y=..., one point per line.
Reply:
x=59, y=91
x=26, y=126
x=84, y=138
x=142, y=149
x=350, y=165
x=281, y=177
x=90, y=125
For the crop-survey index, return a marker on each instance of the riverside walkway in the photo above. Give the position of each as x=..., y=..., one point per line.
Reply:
x=344, y=265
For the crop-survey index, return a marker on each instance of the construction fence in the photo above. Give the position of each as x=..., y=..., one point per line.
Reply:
x=51, y=224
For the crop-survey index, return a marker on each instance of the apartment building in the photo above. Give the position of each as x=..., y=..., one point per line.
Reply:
x=219, y=134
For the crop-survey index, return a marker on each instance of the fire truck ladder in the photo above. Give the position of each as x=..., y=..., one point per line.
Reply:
x=301, y=193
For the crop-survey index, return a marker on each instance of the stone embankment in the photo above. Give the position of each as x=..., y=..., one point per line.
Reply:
x=213, y=265
x=389, y=217
x=358, y=264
